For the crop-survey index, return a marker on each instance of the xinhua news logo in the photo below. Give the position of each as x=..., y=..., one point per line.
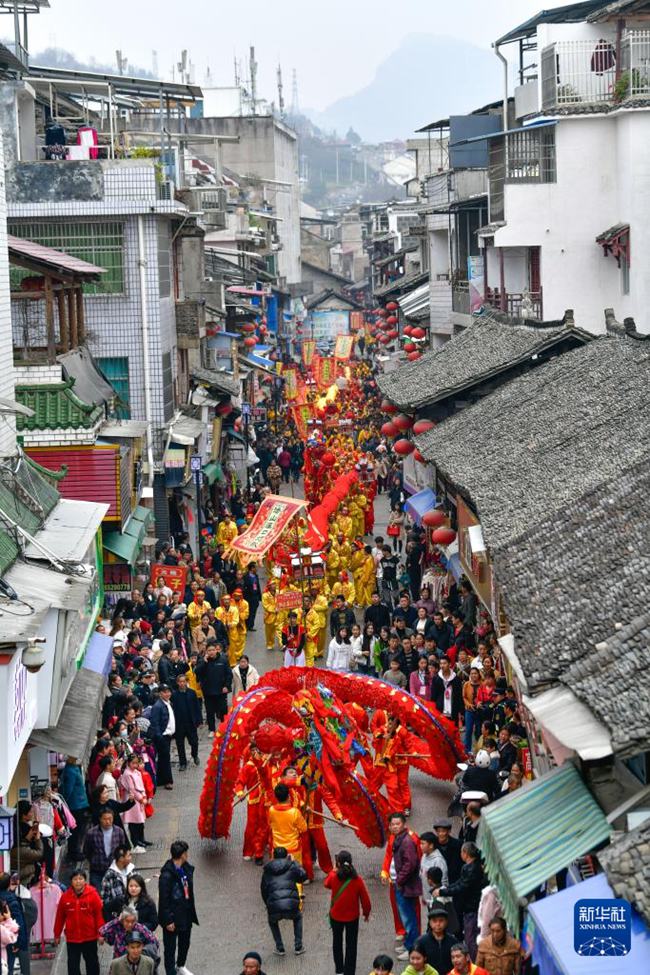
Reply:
x=602, y=928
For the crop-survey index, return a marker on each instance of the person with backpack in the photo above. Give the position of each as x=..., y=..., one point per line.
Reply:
x=349, y=900
x=18, y=951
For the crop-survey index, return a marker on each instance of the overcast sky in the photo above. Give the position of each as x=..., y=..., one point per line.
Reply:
x=335, y=45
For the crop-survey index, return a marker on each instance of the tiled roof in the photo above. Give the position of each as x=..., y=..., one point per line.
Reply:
x=27, y=498
x=312, y=301
x=627, y=865
x=484, y=349
x=56, y=407
x=221, y=381
x=404, y=283
x=52, y=260
x=549, y=436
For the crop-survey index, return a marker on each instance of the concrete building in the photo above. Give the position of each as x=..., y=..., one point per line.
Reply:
x=569, y=214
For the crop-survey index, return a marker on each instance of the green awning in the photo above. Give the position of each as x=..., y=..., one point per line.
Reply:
x=125, y=546
x=528, y=836
x=145, y=515
x=213, y=472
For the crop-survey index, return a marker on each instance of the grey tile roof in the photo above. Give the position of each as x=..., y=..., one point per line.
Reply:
x=221, y=381
x=312, y=301
x=627, y=865
x=488, y=346
x=404, y=283
x=549, y=436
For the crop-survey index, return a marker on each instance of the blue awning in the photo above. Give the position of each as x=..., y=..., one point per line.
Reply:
x=551, y=935
x=99, y=653
x=418, y=504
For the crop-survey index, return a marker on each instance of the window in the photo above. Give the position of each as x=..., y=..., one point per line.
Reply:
x=116, y=371
x=167, y=385
x=531, y=156
x=164, y=269
x=99, y=242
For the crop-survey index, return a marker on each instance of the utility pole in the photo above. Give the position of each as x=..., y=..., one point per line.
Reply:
x=295, y=107
x=253, y=70
x=122, y=62
x=280, y=92
x=154, y=63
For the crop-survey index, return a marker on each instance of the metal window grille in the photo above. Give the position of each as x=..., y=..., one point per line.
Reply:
x=531, y=156
x=99, y=242
x=116, y=371
x=167, y=385
x=164, y=259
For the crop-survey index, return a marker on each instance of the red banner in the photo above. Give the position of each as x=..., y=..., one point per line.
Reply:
x=301, y=417
x=325, y=371
x=271, y=519
x=357, y=321
x=291, y=599
x=344, y=346
x=175, y=576
x=308, y=350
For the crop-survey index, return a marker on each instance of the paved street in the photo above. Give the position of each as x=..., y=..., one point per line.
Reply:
x=230, y=908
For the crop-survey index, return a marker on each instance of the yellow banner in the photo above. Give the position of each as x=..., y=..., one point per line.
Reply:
x=308, y=349
x=290, y=383
x=344, y=346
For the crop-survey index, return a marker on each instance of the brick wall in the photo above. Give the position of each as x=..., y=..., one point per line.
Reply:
x=7, y=382
x=38, y=374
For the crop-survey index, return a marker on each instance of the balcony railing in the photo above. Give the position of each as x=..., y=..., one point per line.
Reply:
x=517, y=304
x=584, y=72
x=460, y=297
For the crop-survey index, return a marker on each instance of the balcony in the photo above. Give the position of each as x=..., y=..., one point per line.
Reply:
x=455, y=186
x=517, y=304
x=460, y=297
x=584, y=72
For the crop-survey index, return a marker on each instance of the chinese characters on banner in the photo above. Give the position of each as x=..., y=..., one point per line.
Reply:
x=308, y=350
x=301, y=417
x=290, y=383
x=291, y=599
x=357, y=321
x=175, y=576
x=271, y=519
x=325, y=371
x=344, y=346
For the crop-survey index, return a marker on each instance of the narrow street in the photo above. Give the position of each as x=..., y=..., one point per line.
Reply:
x=231, y=913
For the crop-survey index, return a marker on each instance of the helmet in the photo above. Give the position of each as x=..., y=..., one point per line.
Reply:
x=482, y=759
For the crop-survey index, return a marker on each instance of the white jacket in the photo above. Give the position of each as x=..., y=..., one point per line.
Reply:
x=339, y=655
x=252, y=680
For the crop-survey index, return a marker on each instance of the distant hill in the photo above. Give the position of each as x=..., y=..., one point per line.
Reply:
x=426, y=78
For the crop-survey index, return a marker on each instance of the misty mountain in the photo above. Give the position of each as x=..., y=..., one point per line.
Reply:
x=426, y=78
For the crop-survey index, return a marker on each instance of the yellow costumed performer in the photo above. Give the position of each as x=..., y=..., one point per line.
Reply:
x=229, y=616
x=272, y=629
x=312, y=632
x=226, y=531
x=243, y=611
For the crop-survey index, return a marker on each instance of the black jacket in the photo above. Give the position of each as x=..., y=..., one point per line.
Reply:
x=481, y=780
x=173, y=906
x=378, y=615
x=339, y=618
x=438, y=952
x=451, y=853
x=466, y=891
x=438, y=696
x=147, y=913
x=168, y=671
x=278, y=887
x=187, y=712
x=214, y=675
x=443, y=636
x=507, y=756
x=158, y=719
x=251, y=589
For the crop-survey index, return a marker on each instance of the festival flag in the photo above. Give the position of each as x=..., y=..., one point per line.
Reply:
x=308, y=350
x=326, y=373
x=301, y=417
x=357, y=321
x=271, y=519
x=290, y=383
x=175, y=576
x=344, y=346
x=301, y=393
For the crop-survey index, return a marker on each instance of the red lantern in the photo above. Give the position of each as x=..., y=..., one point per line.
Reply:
x=393, y=334
x=224, y=409
x=250, y=342
x=408, y=330
x=434, y=518
x=410, y=347
x=403, y=422
x=419, y=457
x=422, y=426
x=392, y=319
x=248, y=327
x=391, y=306
x=403, y=447
x=384, y=339
x=443, y=536
x=387, y=407
x=382, y=312
x=389, y=429
x=417, y=333
x=378, y=311
x=328, y=459
x=412, y=356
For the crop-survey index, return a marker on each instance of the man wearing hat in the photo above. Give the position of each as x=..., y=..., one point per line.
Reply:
x=252, y=964
x=449, y=846
x=437, y=942
x=133, y=962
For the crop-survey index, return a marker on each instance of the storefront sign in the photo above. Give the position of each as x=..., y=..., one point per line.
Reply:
x=271, y=519
x=175, y=576
x=328, y=323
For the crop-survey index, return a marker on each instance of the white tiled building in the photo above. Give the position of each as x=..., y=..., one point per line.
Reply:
x=7, y=426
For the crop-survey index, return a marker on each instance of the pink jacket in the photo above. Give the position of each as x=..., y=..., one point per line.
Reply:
x=419, y=690
x=132, y=787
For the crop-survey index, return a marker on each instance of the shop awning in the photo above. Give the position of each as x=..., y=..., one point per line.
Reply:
x=99, y=654
x=561, y=821
x=123, y=429
x=128, y=543
x=551, y=934
x=213, y=472
x=569, y=724
x=68, y=531
x=80, y=718
x=143, y=515
x=415, y=301
x=185, y=430
x=62, y=591
x=418, y=504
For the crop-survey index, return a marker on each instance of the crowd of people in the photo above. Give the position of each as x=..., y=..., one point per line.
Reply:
x=383, y=606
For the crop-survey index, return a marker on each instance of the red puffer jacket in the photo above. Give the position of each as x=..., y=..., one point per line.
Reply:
x=80, y=915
